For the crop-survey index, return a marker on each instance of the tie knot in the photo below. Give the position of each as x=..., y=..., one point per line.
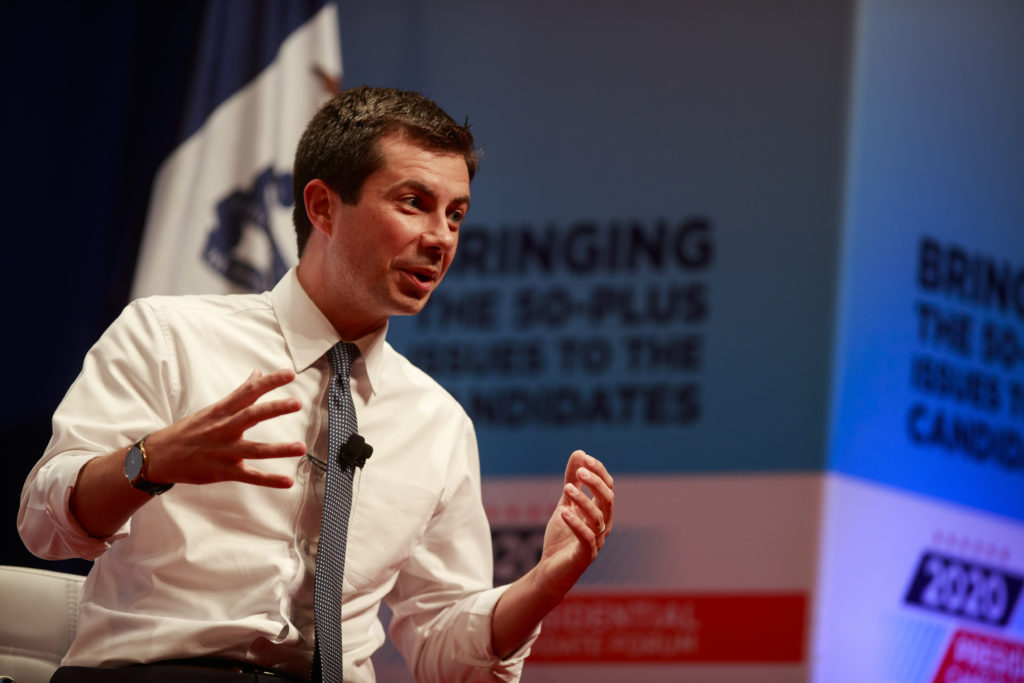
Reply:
x=341, y=356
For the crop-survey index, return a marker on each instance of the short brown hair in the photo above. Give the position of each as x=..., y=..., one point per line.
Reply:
x=339, y=145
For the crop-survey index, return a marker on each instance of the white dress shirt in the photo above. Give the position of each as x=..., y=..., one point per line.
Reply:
x=227, y=569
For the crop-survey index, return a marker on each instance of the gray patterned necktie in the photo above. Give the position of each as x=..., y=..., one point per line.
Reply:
x=330, y=558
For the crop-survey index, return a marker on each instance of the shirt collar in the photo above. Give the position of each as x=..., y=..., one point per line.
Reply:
x=308, y=333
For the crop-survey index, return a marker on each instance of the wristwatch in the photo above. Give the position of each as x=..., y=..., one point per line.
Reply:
x=135, y=467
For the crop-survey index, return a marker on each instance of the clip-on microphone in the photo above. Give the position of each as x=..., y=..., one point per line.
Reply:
x=354, y=452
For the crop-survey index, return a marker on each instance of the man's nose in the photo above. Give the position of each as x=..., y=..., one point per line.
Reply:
x=441, y=234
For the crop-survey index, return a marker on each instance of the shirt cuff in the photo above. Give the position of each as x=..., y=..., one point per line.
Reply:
x=510, y=668
x=61, y=475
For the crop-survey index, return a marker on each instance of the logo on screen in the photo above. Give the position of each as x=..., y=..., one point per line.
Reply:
x=965, y=590
x=516, y=550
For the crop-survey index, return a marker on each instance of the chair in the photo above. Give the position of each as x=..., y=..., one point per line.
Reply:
x=39, y=610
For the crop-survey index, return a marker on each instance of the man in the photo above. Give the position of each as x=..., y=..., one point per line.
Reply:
x=217, y=574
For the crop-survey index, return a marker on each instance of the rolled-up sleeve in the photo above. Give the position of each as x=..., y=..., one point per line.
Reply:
x=45, y=521
x=443, y=600
x=120, y=396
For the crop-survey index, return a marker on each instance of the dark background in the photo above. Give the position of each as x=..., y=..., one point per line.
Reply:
x=86, y=120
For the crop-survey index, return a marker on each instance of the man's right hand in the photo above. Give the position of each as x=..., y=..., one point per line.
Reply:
x=208, y=446
x=203, y=448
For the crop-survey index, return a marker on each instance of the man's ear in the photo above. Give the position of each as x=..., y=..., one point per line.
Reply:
x=319, y=199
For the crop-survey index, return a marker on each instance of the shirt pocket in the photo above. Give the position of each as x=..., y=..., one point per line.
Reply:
x=389, y=517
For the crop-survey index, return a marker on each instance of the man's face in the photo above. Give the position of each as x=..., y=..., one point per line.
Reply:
x=390, y=250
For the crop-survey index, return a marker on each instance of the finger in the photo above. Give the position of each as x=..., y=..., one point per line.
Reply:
x=586, y=470
x=580, y=459
x=228, y=464
x=579, y=528
x=255, y=386
x=249, y=475
x=259, y=412
x=604, y=496
x=596, y=484
x=598, y=468
x=254, y=450
x=589, y=509
x=577, y=460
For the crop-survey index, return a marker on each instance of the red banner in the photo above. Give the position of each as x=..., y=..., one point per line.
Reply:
x=672, y=627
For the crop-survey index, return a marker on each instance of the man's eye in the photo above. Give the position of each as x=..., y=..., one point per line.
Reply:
x=414, y=202
x=456, y=216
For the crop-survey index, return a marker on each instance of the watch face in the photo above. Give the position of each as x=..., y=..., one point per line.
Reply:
x=133, y=463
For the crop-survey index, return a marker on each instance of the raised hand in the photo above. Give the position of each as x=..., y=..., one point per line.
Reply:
x=205, y=447
x=209, y=446
x=575, y=533
x=580, y=524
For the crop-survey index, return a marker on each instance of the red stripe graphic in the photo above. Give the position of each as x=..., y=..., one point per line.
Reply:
x=974, y=657
x=672, y=627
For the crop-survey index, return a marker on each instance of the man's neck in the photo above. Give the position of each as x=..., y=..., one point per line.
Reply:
x=348, y=323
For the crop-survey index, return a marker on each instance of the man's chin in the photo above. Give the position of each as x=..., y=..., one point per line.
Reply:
x=410, y=305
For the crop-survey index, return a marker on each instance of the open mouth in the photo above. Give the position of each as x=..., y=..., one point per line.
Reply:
x=424, y=280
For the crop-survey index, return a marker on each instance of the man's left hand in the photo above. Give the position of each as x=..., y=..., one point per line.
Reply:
x=575, y=533
x=580, y=524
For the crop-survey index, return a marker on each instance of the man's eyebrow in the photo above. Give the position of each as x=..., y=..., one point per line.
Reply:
x=427, y=190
